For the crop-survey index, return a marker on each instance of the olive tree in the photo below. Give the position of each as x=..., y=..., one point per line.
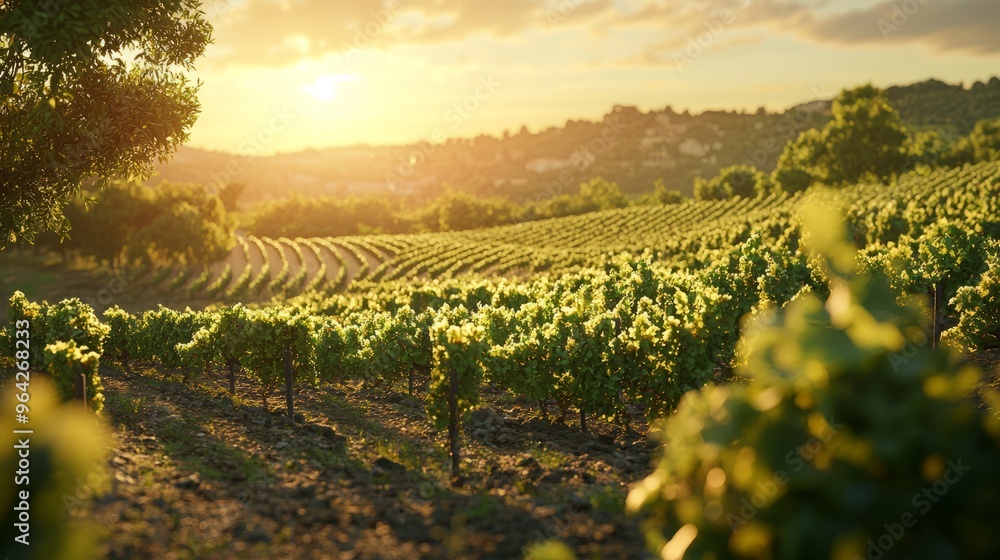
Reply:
x=89, y=90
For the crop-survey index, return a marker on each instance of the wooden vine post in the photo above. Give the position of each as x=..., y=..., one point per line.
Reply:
x=289, y=384
x=937, y=294
x=231, y=365
x=80, y=389
x=453, y=421
x=455, y=379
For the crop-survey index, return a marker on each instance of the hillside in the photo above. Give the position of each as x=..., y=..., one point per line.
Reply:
x=563, y=339
x=627, y=146
x=693, y=234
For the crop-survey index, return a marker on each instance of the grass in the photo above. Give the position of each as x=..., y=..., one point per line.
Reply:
x=548, y=458
x=606, y=498
x=124, y=407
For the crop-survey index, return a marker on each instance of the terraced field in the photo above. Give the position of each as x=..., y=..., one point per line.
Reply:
x=687, y=235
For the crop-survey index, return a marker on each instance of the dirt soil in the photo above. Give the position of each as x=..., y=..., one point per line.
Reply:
x=363, y=474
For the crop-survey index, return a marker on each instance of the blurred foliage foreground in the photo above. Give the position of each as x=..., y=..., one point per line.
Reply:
x=64, y=468
x=854, y=439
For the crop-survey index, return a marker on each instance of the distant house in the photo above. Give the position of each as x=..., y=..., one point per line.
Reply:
x=660, y=158
x=544, y=165
x=816, y=106
x=693, y=148
x=515, y=156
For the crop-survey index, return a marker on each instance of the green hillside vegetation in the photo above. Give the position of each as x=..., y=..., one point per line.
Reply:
x=626, y=146
x=738, y=324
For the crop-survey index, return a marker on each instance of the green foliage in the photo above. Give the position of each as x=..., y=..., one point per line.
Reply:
x=865, y=139
x=342, y=351
x=459, y=345
x=269, y=334
x=68, y=320
x=121, y=341
x=190, y=225
x=978, y=309
x=65, y=362
x=80, y=82
x=982, y=144
x=847, y=428
x=222, y=282
x=947, y=252
x=456, y=211
x=549, y=550
x=737, y=180
x=69, y=446
x=159, y=332
x=402, y=345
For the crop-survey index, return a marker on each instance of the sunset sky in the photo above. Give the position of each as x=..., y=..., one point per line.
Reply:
x=286, y=75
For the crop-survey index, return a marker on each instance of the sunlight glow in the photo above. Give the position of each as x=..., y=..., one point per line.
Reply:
x=326, y=87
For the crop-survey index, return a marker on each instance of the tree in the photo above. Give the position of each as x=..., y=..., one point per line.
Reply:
x=661, y=194
x=457, y=211
x=189, y=225
x=599, y=194
x=735, y=180
x=865, y=138
x=103, y=230
x=230, y=195
x=982, y=144
x=91, y=90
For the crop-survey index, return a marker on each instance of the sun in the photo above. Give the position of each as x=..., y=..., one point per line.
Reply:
x=325, y=87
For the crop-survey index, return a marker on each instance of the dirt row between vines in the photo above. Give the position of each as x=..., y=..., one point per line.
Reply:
x=363, y=474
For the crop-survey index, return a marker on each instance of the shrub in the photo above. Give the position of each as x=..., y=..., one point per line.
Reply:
x=978, y=309
x=850, y=434
x=68, y=320
x=65, y=361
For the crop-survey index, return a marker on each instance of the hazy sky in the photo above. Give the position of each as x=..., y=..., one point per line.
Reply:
x=285, y=75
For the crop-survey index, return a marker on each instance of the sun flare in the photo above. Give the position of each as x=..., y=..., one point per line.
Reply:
x=326, y=87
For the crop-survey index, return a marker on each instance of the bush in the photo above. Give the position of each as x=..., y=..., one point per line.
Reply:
x=978, y=309
x=851, y=433
x=68, y=320
x=732, y=181
x=65, y=361
x=121, y=335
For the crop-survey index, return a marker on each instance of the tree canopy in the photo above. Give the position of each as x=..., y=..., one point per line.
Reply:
x=735, y=180
x=91, y=90
x=865, y=138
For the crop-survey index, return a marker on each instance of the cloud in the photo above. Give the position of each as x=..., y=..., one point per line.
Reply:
x=269, y=32
x=968, y=26
x=279, y=32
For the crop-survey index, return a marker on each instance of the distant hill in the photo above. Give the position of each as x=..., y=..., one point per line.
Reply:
x=627, y=146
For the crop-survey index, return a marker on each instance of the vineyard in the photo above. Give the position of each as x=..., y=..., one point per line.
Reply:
x=688, y=235
x=602, y=322
x=394, y=280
